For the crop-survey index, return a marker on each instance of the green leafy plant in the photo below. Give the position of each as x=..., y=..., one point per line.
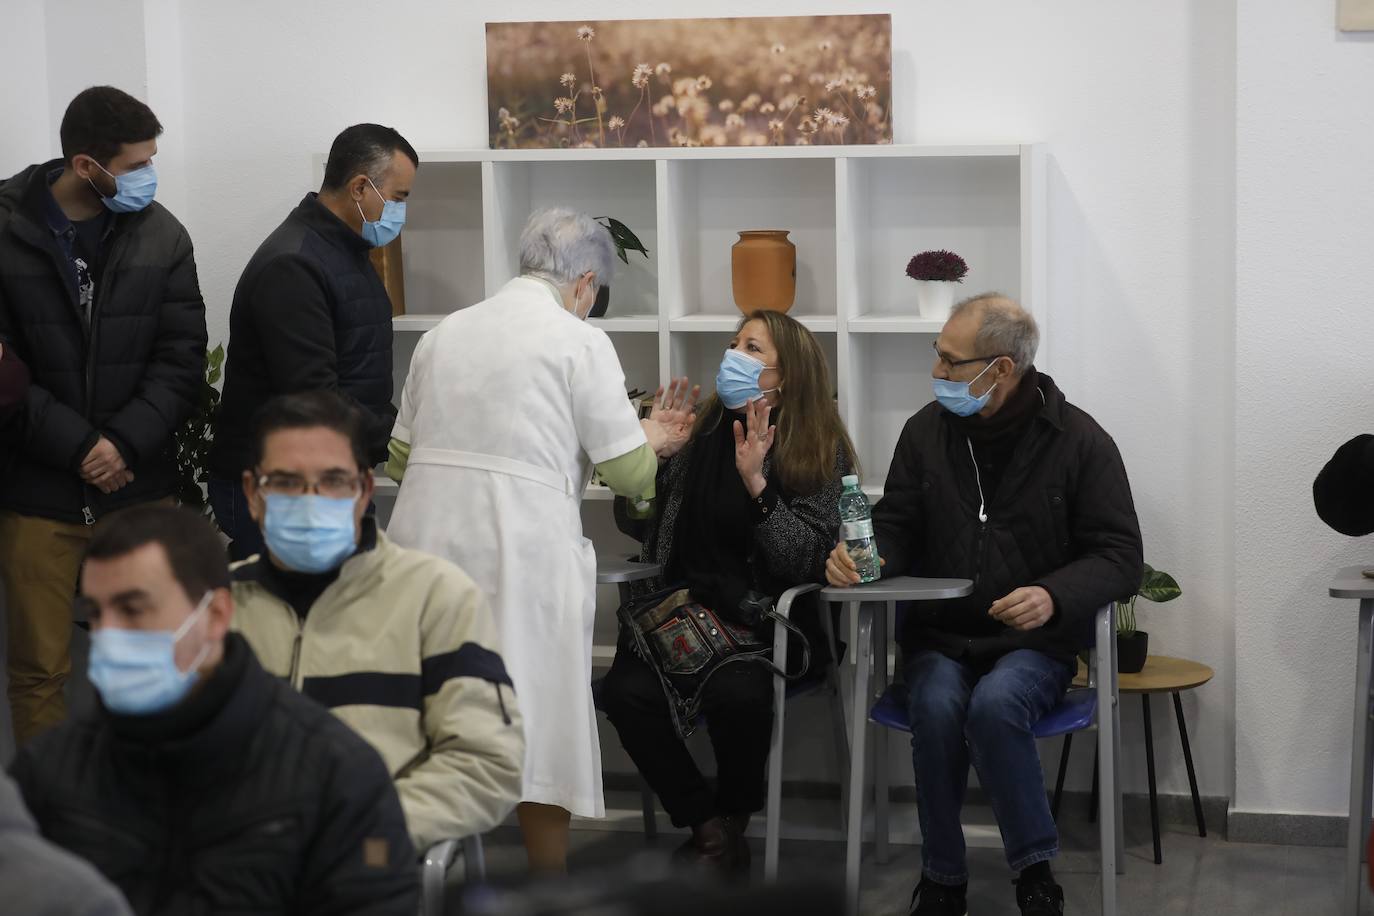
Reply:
x=1156, y=586
x=197, y=434
x=624, y=239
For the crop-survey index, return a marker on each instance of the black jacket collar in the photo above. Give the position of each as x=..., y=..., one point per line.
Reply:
x=201, y=738
x=329, y=227
x=24, y=206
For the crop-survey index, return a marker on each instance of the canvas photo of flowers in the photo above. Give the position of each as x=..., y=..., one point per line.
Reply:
x=774, y=81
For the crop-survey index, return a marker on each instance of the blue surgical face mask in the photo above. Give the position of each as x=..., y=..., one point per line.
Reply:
x=383, y=231
x=310, y=533
x=737, y=381
x=135, y=671
x=958, y=399
x=133, y=190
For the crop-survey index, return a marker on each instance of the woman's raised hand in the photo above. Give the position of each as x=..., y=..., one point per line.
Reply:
x=669, y=425
x=753, y=439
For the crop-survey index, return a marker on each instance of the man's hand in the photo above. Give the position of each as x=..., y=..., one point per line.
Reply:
x=112, y=482
x=1024, y=609
x=840, y=570
x=102, y=462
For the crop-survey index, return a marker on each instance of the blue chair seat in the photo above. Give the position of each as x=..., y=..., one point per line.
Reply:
x=1075, y=713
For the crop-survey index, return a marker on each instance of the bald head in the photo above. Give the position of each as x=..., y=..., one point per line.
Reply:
x=1004, y=328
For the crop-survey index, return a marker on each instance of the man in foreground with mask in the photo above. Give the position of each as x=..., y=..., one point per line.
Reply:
x=310, y=313
x=99, y=298
x=1004, y=482
x=202, y=784
x=401, y=645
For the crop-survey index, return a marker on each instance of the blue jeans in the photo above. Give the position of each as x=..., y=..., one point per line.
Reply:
x=231, y=514
x=961, y=714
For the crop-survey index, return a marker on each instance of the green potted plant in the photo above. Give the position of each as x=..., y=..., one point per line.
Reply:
x=625, y=240
x=194, y=438
x=1133, y=645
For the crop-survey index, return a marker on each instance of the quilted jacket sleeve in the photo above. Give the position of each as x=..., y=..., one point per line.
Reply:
x=171, y=380
x=896, y=517
x=1105, y=534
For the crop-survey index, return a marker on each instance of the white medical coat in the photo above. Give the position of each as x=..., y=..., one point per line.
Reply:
x=508, y=406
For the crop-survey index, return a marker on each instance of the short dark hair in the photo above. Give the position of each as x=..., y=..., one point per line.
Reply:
x=310, y=410
x=364, y=149
x=194, y=549
x=101, y=119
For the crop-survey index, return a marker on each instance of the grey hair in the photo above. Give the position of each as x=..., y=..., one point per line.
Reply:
x=1004, y=328
x=561, y=245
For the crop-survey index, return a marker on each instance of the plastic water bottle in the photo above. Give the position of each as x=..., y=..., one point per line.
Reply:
x=856, y=527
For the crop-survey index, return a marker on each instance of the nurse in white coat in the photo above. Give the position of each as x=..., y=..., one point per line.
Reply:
x=508, y=406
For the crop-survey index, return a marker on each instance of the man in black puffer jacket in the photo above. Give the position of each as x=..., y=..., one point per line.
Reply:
x=1004, y=482
x=311, y=313
x=99, y=298
x=201, y=784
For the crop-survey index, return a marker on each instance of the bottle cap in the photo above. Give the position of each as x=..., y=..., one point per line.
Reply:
x=850, y=480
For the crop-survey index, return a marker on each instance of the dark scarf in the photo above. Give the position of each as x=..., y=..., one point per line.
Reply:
x=713, y=538
x=995, y=438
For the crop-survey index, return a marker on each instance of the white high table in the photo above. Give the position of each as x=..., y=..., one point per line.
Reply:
x=872, y=600
x=1351, y=583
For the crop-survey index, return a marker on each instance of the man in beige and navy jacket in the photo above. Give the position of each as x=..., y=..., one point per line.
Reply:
x=399, y=644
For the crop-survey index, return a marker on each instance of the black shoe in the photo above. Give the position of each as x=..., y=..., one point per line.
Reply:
x=1039, y=897
x=931, y=899
x=718, y=846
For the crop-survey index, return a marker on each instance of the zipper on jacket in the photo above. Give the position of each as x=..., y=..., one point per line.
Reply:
x=501, y=701
x=295, y=659
x=88, y=516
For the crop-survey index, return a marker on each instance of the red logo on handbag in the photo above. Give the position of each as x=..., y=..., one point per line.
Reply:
x=681, y=648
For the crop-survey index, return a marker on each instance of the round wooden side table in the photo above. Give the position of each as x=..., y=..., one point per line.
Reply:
x=1161, y=674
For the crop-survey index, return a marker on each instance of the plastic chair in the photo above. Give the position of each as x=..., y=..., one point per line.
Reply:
x=438, y=860
x=1078, y=711
x=782, y=692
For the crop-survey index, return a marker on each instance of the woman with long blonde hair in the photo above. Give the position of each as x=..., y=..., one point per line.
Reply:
x=749, y=508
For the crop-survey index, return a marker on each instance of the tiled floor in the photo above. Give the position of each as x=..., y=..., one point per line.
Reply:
x=1199, y=877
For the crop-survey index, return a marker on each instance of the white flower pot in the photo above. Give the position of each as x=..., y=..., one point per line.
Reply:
x=935, y=298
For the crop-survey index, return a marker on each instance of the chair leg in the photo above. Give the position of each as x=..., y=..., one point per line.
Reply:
x=1188, y=759
x=880, y=796
x=841, y=742
x=1059, y=780
x=474, y=859
x=1092, y=798
x=647, y=802
x=773, y=815
x=1150, y=771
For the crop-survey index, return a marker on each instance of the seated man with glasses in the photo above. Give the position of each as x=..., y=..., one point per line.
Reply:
x=399, y=644
x=1002, y=481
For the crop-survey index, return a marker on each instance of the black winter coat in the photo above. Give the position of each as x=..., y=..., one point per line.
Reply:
x=245, y=798
x=134, y=378
x=1061, y=518
x=309, y=313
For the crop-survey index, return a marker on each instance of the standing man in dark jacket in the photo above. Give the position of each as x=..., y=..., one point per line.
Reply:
x=202, y=784
x=99, y=296
x=311, y=313
x=1004, y=482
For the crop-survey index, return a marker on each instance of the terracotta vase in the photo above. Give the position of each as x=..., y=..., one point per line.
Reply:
x=763, y=269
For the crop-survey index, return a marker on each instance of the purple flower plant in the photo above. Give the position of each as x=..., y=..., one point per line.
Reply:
x=937, y=265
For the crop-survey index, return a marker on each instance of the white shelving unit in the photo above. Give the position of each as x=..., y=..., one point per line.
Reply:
x=856, y=215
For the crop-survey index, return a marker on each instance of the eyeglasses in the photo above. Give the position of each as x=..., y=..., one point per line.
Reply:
x=952, y=364
x=332, y=484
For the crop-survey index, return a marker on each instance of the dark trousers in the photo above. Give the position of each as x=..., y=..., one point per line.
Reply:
x=231, y=514
x=738, y=705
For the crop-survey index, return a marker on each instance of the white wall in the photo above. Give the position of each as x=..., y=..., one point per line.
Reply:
x=1138, y=103
x=1304, y=272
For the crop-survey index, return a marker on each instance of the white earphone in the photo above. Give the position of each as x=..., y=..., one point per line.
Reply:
x=982, y=503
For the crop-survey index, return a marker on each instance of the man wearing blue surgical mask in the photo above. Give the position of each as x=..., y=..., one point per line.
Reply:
x=399, y=644
x=1002, y=481
x=99, y=299
x=200, y=782
x=310, y=312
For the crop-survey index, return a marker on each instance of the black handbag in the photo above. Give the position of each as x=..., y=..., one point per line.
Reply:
x=686, y=643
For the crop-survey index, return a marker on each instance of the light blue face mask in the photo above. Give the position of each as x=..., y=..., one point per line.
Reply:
x=135, y=671
x=133, y=190
x=310, y=533
x=956, y=396
x=737, y=380
x=384, y=231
